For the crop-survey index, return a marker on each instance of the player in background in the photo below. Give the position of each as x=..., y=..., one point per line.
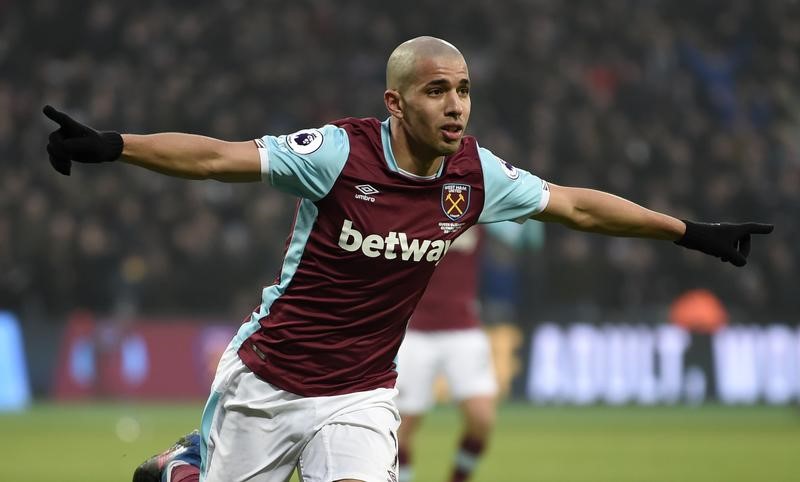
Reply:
x=445, y=337
x=308, y=381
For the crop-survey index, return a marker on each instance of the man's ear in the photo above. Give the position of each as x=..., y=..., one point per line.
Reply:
x=393, y=103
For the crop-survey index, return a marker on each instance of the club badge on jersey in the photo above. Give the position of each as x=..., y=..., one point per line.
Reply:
x=455, y=200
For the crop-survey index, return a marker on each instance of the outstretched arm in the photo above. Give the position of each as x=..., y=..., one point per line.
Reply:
x=604, y=213
x=193, y=157
x=175, y=154
x=601, y=212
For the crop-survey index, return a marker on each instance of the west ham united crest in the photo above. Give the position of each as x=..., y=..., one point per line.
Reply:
x=455, y=200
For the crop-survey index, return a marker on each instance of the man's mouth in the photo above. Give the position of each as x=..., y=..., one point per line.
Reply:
x=452, y=132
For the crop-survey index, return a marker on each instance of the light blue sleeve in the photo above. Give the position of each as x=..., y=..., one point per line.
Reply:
x=508, y=233
x=529, y=235
x=511, y=194
x=305, y=163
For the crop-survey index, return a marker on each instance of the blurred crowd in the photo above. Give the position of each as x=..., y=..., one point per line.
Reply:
x=692, y=108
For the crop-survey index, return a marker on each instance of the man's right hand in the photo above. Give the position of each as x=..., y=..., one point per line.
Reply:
x=73, y=141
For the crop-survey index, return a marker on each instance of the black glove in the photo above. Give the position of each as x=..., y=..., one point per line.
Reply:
x=74, y=141
x=727, y=241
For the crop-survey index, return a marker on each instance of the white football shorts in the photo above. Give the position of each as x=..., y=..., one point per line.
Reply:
x=256, y=432
x=463, y=356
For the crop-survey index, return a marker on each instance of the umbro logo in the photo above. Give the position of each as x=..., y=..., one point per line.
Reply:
x=367, y=189
x=367, y=192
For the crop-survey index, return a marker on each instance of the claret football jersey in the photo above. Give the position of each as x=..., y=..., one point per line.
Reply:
x=450, y=301
x=365, y=240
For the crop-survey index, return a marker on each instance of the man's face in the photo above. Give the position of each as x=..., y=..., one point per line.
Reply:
x=437, y=104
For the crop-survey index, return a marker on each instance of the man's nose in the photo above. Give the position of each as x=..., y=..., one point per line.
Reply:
x=454, y=106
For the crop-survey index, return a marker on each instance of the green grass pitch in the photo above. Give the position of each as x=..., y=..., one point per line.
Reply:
x=104, y=442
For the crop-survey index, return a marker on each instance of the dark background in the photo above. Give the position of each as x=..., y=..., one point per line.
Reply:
x=692, y=108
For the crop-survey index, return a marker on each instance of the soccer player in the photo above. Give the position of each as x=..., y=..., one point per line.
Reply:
x=444, y=337
x=308, y=380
